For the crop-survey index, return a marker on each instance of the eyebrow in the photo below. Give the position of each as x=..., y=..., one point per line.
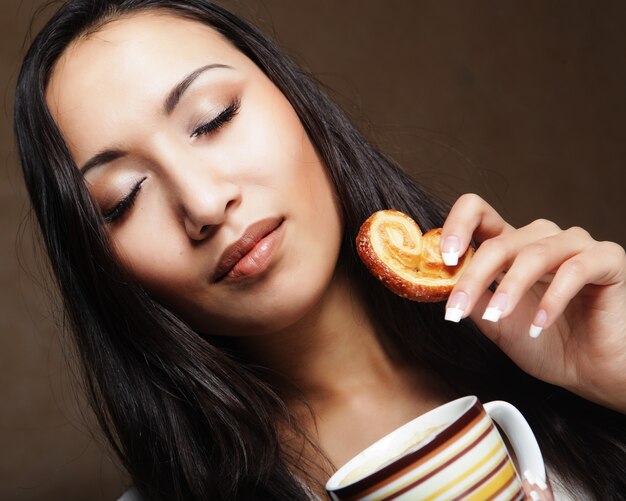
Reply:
x=172, y=99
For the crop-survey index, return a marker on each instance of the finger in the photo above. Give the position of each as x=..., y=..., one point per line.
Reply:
x=601, y=264
x=546, y=279
x=470, y=217
x=535, y=488
x=493, y=256
x=537, y=261
x=534, y=493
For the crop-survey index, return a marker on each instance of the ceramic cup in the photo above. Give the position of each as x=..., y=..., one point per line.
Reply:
x=452, y=452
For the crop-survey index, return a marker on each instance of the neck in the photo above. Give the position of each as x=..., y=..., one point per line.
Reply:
x=334, y=354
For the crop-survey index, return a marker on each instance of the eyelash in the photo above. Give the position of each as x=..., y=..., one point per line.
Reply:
x=117, y=211
x=217, y=123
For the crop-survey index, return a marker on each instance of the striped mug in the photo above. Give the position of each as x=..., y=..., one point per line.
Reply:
x=451, y=452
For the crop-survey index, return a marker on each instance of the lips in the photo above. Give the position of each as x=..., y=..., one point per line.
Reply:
x=251, y=236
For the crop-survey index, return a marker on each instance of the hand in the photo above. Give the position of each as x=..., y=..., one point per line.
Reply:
x=570, y=287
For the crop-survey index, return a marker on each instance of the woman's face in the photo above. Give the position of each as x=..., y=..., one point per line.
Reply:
x=198, y=188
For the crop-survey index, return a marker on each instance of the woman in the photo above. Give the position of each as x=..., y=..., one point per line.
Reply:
x=160, y=140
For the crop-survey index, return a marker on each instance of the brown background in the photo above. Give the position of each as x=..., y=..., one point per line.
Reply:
x=521, y=102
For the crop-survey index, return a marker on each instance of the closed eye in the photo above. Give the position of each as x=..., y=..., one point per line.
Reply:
x=118, y=211
x=222, y=119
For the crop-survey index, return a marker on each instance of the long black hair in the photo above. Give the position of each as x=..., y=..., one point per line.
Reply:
x=187, y=415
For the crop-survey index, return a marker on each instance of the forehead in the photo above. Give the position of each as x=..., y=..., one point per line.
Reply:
x=129, y=65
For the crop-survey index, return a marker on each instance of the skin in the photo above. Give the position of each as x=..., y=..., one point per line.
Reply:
x=301, y=316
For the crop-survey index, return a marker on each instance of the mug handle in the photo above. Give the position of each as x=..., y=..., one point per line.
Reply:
x=519, y=433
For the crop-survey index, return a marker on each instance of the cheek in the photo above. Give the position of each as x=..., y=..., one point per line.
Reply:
x=156, y=255
x=294, y=164
x=269, y=145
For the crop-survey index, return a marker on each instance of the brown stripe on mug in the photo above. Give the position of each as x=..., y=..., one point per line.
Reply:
x=445, y=463
x=483, y=480
x=520, y=493
x=390, y=472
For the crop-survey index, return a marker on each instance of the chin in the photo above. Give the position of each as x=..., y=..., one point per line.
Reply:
x=283, y=309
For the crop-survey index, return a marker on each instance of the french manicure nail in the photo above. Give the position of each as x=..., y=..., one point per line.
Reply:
x=541, y=484
x=529, y=476
x=538, y=323
x=534, y=496
x=456, y=306
x=495, y=308
x=450, y=250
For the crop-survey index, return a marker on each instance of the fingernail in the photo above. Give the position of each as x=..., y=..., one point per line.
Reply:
x=534, y=496
x=496, y=306
x=542, y=485
x=538, y=323
x=529, y=476
x=456, y=306
x=450, y=250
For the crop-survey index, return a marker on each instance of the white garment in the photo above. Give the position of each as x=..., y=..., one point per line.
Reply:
x=130, y=494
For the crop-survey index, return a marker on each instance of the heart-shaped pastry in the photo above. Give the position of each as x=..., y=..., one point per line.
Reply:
x=408, y=262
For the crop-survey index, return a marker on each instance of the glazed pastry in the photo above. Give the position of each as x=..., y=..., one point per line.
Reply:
x=408, y=262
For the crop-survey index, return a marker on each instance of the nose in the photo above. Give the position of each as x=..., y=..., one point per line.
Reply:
x=197, y=183
x=201, y=192
x=204, y=205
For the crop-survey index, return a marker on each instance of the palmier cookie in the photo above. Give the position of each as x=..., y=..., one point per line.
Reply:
x=408, y=262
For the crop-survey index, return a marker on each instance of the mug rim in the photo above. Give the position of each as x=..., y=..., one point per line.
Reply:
x=471, y=409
